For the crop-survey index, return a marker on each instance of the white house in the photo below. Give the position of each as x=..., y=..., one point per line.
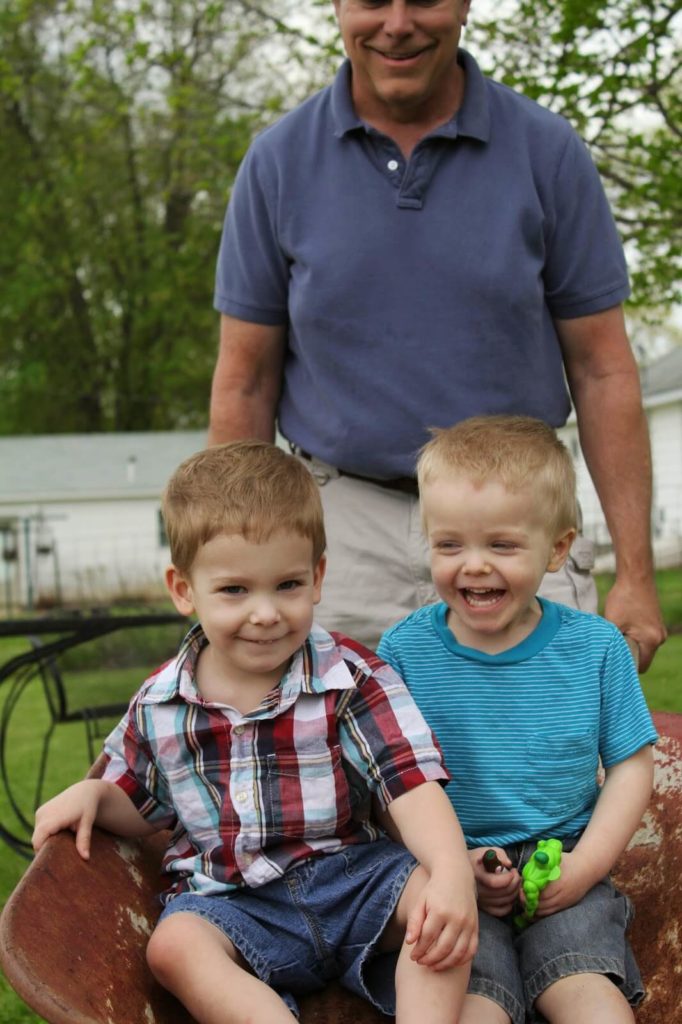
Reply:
x=80, y=513
x=662, y=391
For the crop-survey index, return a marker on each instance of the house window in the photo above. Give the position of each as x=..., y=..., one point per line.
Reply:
x=161, y=530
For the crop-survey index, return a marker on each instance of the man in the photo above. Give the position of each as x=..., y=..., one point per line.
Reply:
x=411, y=246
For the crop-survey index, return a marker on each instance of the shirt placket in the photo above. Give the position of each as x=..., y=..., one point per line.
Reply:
x=411, y=177
x=244, y=794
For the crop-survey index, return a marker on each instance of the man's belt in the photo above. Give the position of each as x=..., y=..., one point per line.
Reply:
x=405, y=484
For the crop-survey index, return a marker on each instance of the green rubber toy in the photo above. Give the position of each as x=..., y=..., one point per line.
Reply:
x=542, y=868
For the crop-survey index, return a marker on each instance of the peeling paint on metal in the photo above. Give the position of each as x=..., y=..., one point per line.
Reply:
x=129, y=852
x=127, y=849
x=650, y=872
x=646, y=834
x=139, y=922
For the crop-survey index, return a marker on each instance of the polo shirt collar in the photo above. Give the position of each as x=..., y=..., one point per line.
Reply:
x=343, y=111
x=472, y=119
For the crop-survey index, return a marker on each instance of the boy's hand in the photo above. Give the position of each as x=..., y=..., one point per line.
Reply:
x=568, y=890
x=75, y=809
x=443, y=924
x=496, y=892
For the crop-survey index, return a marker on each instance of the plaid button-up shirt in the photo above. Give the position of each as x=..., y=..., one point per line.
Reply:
x=249, y=795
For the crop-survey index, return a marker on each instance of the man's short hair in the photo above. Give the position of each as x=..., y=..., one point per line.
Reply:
x=248, y=488
x=519, y=451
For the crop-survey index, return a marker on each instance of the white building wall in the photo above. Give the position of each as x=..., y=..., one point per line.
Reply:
x=665, y=427
x=89, y=552
x=594, y=524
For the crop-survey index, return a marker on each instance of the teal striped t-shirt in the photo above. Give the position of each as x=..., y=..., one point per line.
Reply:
x=522, y=731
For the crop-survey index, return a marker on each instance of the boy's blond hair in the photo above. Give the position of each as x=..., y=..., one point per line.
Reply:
x=519, y=451
x=248, y=488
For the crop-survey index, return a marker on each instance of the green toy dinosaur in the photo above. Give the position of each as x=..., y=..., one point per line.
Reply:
x=542, y=868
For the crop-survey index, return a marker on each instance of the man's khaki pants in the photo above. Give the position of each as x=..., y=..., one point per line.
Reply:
x=378, y=565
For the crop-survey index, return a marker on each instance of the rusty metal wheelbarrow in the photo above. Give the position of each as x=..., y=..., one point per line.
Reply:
x=73, y=934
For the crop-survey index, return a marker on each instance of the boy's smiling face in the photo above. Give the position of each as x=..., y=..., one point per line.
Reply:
x=255, y=602
x=490, y=548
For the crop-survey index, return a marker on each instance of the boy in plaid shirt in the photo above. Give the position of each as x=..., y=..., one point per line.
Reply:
x=262, y=745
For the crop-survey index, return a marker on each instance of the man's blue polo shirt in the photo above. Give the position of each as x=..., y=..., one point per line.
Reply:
x=417, y=292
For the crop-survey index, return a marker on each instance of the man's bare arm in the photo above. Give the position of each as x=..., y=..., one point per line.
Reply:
x=604, y=382
x=247, y=381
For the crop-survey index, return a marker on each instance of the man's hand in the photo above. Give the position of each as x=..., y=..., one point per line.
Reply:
x=497, y=892
x=635, y=610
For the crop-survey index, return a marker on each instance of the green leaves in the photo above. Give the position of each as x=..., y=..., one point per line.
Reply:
x=123, y=126
x=614, y=70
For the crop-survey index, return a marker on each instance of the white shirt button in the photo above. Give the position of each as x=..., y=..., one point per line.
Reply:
x=393, y=165
x=239, y=729
x=242, y=797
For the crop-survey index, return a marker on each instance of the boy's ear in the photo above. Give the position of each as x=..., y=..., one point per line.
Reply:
x=560, y=549
x=318, y=576
x=180, y=590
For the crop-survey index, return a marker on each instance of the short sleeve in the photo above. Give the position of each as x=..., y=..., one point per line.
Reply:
x=625, y=722
x=385, y=650
x=252, y=275
x=131, y=767
x=585, y=270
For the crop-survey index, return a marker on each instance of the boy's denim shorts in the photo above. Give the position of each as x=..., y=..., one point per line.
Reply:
x=513, y=968
x=321, y=920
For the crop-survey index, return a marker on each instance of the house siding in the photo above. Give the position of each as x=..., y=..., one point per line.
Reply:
x=665, y=428
x=86, y=552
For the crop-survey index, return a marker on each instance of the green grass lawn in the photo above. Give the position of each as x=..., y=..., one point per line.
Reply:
x=91, y=677
x=67, y=762
x=662, y=684
x=68, y=759
x=669, y=586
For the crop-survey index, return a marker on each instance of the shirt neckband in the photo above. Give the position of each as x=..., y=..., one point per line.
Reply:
x=544, y=632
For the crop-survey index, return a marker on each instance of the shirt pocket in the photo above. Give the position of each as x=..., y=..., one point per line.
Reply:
x=561, y=777
x=306, y=793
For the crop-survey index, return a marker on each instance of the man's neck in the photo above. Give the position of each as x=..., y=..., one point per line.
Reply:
x=406, y=124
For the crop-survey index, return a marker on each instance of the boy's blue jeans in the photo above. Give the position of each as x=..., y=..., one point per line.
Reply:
x=512, y=968
x=321, y=920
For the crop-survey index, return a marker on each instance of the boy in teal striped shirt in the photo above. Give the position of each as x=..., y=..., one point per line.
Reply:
x=526, y=698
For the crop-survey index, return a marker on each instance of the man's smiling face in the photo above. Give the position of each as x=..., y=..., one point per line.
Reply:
x=403, y=54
